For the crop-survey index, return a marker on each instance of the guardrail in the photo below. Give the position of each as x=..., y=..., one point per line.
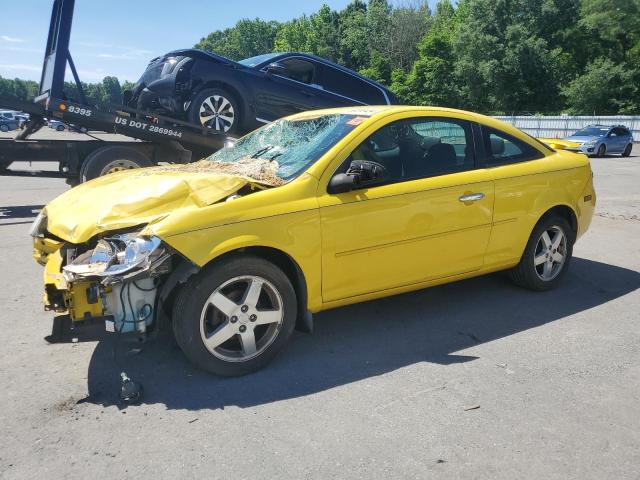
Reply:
x=561, y=126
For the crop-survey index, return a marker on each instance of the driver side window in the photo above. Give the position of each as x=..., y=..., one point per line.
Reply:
x=299, y=70
x=417, y=148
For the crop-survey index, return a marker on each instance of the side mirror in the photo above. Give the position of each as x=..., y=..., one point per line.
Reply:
x=360, y=172
x=342, y=183
x=367, y=171
x=275, y=68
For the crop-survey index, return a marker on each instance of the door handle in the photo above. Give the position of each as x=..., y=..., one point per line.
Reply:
x=472, y=197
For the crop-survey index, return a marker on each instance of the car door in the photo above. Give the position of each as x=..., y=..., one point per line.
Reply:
x=616, y=140
x=429, y=218
x=521, y=177
x=286, y=92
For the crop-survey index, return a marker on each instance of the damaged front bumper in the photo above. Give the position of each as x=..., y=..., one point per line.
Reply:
x=116, y=281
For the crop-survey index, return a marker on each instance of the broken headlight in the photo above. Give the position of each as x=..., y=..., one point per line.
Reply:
x=117, y=256
x=39, y=225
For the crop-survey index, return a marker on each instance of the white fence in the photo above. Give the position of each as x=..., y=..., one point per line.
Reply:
x=563, y=126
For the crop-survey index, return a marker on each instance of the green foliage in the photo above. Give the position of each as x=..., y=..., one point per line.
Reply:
x=246, y=39
x=603, y=88
x=22, y=89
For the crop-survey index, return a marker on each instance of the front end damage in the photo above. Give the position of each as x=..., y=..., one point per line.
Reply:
x=114, y=279
x=103, y=260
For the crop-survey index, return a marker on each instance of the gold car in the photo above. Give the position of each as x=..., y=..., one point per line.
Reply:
x=314, y=211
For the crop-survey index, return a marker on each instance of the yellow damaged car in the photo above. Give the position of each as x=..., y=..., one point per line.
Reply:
x=314, y=211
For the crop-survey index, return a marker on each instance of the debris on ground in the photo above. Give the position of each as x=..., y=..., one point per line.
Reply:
x=130, y=392
x=471, y=407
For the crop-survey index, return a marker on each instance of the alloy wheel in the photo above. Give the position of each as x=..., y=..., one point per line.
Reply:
x=550, y=254
x=241, y=318
x=217, y=112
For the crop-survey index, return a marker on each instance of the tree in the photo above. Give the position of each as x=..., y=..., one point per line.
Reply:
x=354, y=36
x=246, y=39
x=502, y=63
x=432, y=80
x=112, y=90
x=408, y=24
x=603, y=88
x=324, y=34
x=293, y=36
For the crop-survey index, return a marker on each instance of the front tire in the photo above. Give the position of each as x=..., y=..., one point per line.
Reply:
x=4, y=128
x=233, y=317
x=602, y=151
x=547, y=255
x=217, y=109
x=60, y=128
x=627, y=150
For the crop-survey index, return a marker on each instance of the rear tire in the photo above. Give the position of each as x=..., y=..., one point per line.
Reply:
x=217, y=109
x=602, y=151
x=627, y=150
x=225, y=329
x=547, y=255
x=108, y=160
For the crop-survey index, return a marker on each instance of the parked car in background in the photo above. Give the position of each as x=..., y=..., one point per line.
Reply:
x=601, y=140
x=56, y=125
x=318, y=210
x=8, y=121
x=237, y=97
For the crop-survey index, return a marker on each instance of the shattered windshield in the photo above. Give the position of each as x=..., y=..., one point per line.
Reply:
x=290, y=146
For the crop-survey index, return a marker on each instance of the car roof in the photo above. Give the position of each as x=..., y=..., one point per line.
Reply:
x=380, y=111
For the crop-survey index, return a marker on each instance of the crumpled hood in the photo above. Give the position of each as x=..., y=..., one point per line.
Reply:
x=134, y=197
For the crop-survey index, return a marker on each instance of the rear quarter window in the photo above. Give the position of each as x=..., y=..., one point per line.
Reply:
x=500, y=148
x=347, y=85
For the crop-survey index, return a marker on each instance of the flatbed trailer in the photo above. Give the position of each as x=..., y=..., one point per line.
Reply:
x=156, y=138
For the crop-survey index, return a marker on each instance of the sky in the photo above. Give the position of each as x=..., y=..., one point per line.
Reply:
x=119, y=37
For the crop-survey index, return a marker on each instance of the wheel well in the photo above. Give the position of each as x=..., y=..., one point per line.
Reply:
x=285, y=263
x=565, y=212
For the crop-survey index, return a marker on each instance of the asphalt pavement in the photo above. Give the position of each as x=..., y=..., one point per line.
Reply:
x=475, y=379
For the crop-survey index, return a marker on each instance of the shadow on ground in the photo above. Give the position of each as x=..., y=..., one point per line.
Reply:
x=19, y=211
x=360, y=341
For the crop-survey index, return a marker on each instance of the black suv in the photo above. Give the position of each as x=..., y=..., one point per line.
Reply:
x=237, y=97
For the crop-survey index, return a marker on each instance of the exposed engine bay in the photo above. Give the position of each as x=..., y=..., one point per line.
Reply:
x=116, y=280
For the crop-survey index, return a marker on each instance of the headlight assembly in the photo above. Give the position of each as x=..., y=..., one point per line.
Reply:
x=39, y=225
x=116, y=257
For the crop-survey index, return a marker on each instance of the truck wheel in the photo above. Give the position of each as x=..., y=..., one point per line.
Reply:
x=233, y=317
x=215, y=108
x=108, y=160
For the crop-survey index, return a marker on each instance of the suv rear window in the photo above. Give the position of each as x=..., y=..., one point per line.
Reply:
x=349, y=86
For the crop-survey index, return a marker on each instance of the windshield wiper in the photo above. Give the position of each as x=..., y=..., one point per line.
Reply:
x=262, y=151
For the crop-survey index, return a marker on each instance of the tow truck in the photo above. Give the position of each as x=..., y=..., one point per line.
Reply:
x=154, y=138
